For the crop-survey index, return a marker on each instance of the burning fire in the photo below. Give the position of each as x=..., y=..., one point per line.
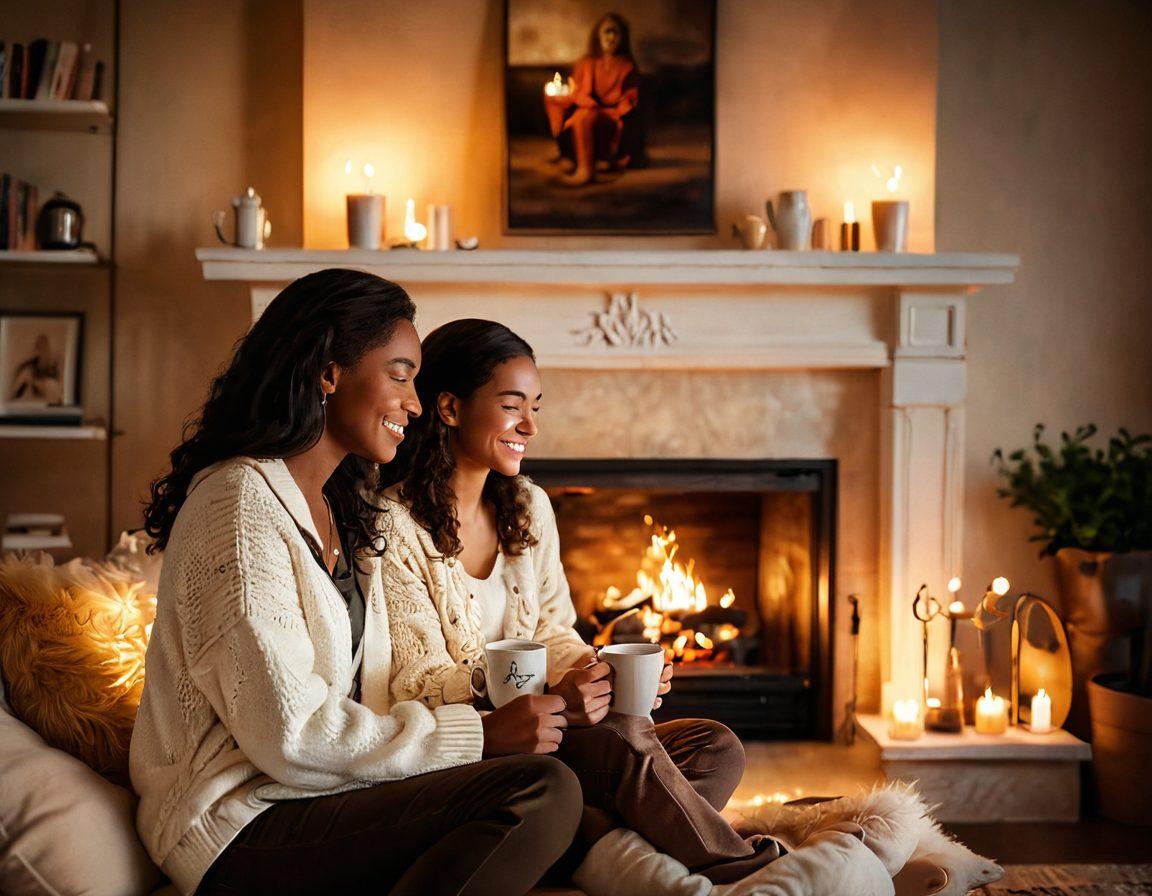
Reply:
x=666, y=591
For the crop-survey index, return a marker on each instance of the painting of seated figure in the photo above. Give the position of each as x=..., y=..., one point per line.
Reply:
x=610, y=116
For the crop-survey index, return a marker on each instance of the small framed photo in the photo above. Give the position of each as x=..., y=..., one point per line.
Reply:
x=40, y=367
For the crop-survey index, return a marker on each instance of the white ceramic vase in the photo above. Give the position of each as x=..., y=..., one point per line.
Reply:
x=792, y=220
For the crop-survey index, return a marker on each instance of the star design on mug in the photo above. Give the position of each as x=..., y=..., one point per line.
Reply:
x=519, y=680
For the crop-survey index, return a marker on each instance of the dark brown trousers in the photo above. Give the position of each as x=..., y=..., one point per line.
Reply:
x=492, y=827
x=668, y=783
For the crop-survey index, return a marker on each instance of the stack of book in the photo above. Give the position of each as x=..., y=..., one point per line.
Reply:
x=35, y=532
x=49, y=70
x=19, y=203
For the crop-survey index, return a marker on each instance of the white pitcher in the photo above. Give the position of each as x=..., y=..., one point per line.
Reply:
x=252, y=224
x=792, y=220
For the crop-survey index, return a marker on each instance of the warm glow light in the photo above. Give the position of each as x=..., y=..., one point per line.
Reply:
x=906, y=723
x=1041, y=713
x=348, y=167
x=414, y=231
x=991, y=713
x=933, y=703
x=956, y=608
x=727, y=599
x=849, y=212
x=727, y=632
x=704, y=641
x=891, y=184
x=954, y=584
x=557, y=86
x=1000, y=585
x=905, y=710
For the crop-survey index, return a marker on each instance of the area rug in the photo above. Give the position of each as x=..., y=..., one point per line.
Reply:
x=1072, y=880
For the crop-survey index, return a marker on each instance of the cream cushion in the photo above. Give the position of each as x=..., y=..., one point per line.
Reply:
x=64, y=830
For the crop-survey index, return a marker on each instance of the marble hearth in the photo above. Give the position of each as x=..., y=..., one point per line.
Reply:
x=739, y=355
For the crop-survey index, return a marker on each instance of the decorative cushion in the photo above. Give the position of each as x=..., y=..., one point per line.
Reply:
x=64, y=830
x=72, y=641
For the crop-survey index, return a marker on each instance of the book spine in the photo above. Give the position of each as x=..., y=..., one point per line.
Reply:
x=19, y=232
x=18, y=80
x=65, y=75
x=5, y=188
x=32, y=208
x=5, y=53
x=33, y=67
x=86, y=74
x=43, y=91
x=97, y=81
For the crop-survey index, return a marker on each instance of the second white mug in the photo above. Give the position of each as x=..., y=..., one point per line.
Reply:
x=515, y=667
x=636, y=676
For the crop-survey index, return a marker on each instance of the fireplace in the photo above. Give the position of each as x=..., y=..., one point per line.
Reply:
x=727, y=563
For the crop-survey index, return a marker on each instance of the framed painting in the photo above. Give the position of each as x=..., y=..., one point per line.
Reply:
x=609, y=116
x=40, y=367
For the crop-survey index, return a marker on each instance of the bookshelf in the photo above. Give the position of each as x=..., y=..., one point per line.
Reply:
x=66, y=146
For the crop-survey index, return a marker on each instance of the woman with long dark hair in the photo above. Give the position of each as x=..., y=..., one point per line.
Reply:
x=268, y=753
x=474, y=557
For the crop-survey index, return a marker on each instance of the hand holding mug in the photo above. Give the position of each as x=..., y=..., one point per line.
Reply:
x=527, y=724
x=587, y=693
x=665, y=684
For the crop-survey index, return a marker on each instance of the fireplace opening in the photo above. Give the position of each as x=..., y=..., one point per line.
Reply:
x=726, y=563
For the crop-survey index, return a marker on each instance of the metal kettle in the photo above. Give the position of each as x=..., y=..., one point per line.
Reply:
x=59, y=224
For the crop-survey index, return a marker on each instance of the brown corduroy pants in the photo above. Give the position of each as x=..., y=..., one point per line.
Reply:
x=668, y=783
x=487, y=829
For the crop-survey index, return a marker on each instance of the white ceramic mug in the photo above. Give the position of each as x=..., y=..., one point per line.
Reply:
x=515, y=668
x=636, y=676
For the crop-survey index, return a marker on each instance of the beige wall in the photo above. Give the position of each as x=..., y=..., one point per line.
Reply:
x=1045, y=149
x=210, y=103
x=809, y=95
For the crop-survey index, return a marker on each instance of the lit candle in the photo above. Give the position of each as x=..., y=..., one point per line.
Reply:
x=1041, y=713
x=991, y=714
x=414, y=231
x=365, y=212
x=850, y=229
x=890, y=216
x=1000, y=586
x=906, y=722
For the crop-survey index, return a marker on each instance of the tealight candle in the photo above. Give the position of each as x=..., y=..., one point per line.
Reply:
x=850, y=229
x=906, y=722
x=414, y=231
x=1041, y=713
x=991, y=714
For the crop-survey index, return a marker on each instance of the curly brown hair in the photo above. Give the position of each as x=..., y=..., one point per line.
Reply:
x=458, y=358
x=266, y=403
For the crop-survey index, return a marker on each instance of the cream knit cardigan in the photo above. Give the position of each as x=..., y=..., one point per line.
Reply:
x=437, y=625
x=248, y=671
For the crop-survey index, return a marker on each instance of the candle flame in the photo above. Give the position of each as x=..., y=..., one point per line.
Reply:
x=905, y=710
x=849, y=212
x=988, y=692
x=348, y=167
x=891, y=184
x=954, y=584
x=369, y=171
x=1000, y=586
x=1041, y=693
x=727, y=599
x=956, y=607
x=557, y=86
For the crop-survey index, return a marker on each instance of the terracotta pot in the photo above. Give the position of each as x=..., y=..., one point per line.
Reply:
x=1100, y=596
x=1121, y=751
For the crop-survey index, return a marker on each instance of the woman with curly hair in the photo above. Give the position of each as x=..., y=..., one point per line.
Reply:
x=268, y=754
x=474, y=557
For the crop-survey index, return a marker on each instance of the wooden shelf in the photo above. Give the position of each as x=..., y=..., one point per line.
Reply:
x=49, y=256
x=57, y=433
x=89, y=116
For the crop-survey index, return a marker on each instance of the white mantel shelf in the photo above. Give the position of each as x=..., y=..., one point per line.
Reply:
x=714, y=267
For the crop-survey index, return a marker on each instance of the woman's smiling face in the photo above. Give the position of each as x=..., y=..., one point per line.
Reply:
x=494, y=424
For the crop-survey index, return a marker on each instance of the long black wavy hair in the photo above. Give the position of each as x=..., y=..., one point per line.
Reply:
x=457, y=358
x=267, y=402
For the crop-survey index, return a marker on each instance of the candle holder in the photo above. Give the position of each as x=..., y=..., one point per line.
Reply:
x=906, y=721
x=890, y=224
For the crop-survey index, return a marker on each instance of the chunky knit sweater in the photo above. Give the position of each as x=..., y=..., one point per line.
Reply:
x=248, y=671
x=437, y=623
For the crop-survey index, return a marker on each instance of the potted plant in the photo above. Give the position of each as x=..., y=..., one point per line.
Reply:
x=1093, y=510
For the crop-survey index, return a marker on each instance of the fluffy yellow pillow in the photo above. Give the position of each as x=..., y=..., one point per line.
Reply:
x=72, y=642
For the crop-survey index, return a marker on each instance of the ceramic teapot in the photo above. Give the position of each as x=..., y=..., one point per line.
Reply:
x=252, y=224
x=792, y=220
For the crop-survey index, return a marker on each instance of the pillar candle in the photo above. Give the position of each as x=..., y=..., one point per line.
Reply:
x=1041, y=713
x=365, y=220
x=991, y=714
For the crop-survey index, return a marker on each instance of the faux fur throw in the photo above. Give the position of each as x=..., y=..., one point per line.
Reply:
x=72, y=642
x=898, y=828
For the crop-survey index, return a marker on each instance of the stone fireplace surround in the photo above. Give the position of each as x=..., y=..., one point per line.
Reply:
x=739, y=355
